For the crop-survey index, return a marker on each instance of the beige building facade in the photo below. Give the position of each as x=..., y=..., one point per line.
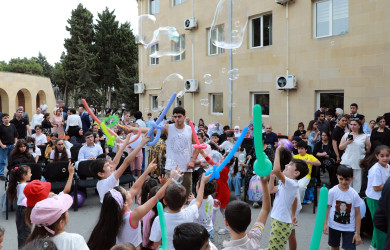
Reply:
x=24, y=90
x=338, y=50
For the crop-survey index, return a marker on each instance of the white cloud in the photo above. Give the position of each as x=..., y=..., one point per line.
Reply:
x=29, y=27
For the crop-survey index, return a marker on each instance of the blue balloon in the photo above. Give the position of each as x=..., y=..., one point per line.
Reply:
x=215, y=170
x=156, y=125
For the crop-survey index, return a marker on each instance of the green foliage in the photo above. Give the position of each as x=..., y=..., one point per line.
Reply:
x=47, y=68
x=25, y=66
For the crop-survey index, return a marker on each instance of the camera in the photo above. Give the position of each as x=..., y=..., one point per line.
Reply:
x=350, y=137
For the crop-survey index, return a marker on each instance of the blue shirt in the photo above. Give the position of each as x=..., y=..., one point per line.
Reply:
x=271, y=138
x=86, y=152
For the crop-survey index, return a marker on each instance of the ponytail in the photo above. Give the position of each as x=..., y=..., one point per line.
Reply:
x=15, y=177
x=368, y=162
x=235, y=168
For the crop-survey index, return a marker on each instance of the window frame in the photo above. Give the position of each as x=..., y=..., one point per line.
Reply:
x=153, y=100
x=261, y=31
x=153, y=11
x=153, y=60
x=209, y=43
x=212, y=103
x=182, y=56
x=253, y=101
x=330, y=19
x=319, y=92
x=181, y=2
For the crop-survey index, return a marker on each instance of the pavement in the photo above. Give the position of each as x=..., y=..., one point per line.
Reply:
x=83, y=221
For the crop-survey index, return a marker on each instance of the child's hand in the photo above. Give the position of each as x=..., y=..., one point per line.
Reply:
x=71, y=168
x=294, y=221
x=126, y=142
x=264, y=179
x=281, y=145
x=175, y=172
x=163, y=179
x=357, y=240
x=145, y=140
x=326, y=230
x=152, y=166
x=205, y=178
x=191, y=197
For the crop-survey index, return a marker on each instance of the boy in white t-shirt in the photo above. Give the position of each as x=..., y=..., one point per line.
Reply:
x=206, y=209
x=104, y=170
x=343, y=214
x=282, y=214
x=175, y=197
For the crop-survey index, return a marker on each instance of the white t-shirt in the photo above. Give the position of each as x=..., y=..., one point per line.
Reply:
x=250, y=241
x=66, y=241
x=103, y=186
x=128, y=233
x=140, y=123
x=227, y=146
x=284, y=199
x=205, y=213
x=43, y=107
x=377, y=175
x=40, y=140
x=60, y=154
x=36, y=120
x=342, y=213
x=19, y=193
x=179, y=148
x=188, y=214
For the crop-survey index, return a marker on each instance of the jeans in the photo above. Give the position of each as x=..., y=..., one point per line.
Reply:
x=4, y=157
x=235, y=181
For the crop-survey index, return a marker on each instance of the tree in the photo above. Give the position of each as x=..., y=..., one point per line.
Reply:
x=25, y=66
x=47, y=68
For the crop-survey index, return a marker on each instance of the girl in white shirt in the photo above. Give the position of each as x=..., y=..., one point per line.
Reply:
x=40, y=138
x=378, y=172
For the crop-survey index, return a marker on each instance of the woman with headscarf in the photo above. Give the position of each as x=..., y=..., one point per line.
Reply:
x=237, y=131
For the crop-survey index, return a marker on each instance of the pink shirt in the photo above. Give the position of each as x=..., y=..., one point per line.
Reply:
x=147, y=225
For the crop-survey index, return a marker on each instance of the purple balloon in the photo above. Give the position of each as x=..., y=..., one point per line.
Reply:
x=80, y=198
x=287, y=144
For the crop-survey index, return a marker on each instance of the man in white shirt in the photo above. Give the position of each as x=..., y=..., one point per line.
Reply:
x=73, y=123
x=90, y=150
x=37, y=118
x=43, y=107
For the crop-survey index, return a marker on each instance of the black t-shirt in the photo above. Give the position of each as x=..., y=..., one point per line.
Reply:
x=337, y=134
x=299, y=133
x=21, y=127
x=8, y=134
x=323, y=127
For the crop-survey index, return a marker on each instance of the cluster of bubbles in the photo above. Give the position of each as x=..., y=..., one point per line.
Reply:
x=204, y=102
x=173, y=83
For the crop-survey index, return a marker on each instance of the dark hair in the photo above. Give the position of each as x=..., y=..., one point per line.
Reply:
x=15, y=177
x=52, y=135
x=368, y=162
x=40, y=244
x=354, y=104
x=16, y=153
x=328, y=113
x=284, y=157
x=146, y=187
x=200, y=119
x=301, y=125
x=302, y=144
x=345, y=171
x=104, y=234
x=327, y=134
x=238, y=216
x=137, y=115
x=150, y=114
x=209, y=188
x=360, y=124
x=72, y=111
x=38, y=126
x=46, y=115
x=123, y=246
x=379, y=118
x=94, y=125
x=88, y=134
x=346, y=116
x=31, y=139
x=230, y=134
x=190, y=236
x=96, y=167
x=226, y=127
x=4, y=115
x=42, y=233
x=301, y=167
x=215, y=134
x=175, y=196
x=310, y=127
x=179, y=110
x=323, y=105
x=19, y=110
x=64, y=153
x=321, y=113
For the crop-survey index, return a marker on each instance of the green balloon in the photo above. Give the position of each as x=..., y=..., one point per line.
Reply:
x=163, y=225
x=262, y=165
x=320, y=219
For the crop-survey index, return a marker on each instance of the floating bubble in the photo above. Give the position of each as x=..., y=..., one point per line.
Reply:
x=207, y=78
x=204, y=102
x=177, y=178
x=173, y=83
x=146, y=25
x=234, y=74
x=228, y=28
x=223, y=70
x=166, y=42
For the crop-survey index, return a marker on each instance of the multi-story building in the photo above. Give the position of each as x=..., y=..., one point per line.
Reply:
x=339, y=51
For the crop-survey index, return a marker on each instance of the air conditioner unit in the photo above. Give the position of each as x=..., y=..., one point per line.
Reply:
x=190, y=23
x=138, y=39
x=286, y=82
x=139, y=88
x=283, y=2
x=191, y=85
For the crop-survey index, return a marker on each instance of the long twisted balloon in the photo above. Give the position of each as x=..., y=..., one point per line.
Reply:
x=215, y=170
x=157, y=125
x=163, y=225
x=197, y=145
x=262, y=165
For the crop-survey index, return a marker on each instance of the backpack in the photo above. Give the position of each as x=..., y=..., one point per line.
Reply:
x=255, y=191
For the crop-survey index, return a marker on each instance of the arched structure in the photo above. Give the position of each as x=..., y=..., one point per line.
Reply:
x=4, y=101
x=41, y=96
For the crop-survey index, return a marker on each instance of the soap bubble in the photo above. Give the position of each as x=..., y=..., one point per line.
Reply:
x=231, y=34
x=223, y=70
x=233, y=74
x=208, y=79
x=173, y=83
x=204, y=102
x=168, y=41
x=177, y=178
x=146, y=25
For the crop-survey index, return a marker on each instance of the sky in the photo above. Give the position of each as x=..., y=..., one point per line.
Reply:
x=28, y=27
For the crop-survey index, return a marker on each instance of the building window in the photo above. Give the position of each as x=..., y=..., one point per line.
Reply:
x=154, y=6
x=263, y=100
x=153, y=60
x=180, y=102
x=213, y=35
x=177, y=2
x=154, y=102
x=261, y=31
x=217, y=103
x=330, y=18
x=332, y=98
x=180, y=46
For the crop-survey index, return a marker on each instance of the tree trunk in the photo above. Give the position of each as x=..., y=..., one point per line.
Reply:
x=66, y=94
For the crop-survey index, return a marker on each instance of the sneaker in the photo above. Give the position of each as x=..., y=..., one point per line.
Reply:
x=256, y=205
x=223, y=231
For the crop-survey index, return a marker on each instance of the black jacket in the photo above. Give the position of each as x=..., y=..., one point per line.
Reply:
x=382, y=214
